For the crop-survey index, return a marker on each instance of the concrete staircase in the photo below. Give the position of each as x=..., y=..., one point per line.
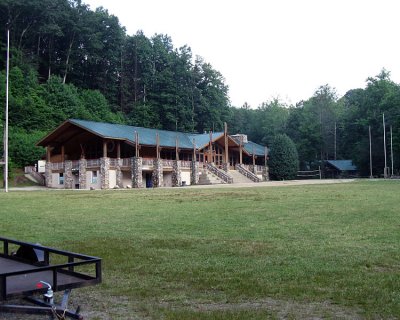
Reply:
x=238, y=177
x=206, y=177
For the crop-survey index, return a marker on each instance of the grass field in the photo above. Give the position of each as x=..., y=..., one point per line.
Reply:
x=318, y=251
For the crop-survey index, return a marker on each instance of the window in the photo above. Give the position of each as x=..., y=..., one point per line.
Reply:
x=94, y=177
x=61, y=178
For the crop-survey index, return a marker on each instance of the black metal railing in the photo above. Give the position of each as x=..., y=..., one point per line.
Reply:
x=69, y=267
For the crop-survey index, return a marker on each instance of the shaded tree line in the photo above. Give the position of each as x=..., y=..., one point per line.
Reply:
x=326, y=127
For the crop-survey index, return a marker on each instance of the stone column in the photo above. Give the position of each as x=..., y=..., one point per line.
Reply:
x=253, y=169
x=265, y=173
x=68, y=177
x=82, y=174
x=194, y=173
x=225, y=166
x=157, y=175
x=176, y=174
x=105, y=173
x=136, y=170
x=48, y=175
x=119, y=173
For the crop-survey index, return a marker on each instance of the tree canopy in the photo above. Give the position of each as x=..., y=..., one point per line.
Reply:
x=68, y=61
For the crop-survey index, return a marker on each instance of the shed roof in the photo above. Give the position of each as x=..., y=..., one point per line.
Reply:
x=343, y=165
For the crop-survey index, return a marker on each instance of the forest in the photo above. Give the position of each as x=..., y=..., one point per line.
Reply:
x=69, y=61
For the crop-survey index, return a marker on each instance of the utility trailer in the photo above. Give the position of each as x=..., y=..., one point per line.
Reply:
x=33, y=272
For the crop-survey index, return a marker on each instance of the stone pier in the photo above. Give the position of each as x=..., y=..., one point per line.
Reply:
x=194, y=173
x=265, y=173
x=176, y=174
x=105, y=173
x=119, y=173
x=136, y=169
x=48, y=175
x=82, y=174
x=68, y=177
x=157, y=175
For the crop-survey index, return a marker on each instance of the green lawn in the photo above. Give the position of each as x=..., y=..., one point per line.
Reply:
x=328, y=251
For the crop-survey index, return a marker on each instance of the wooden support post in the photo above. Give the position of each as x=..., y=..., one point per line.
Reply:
x=119, y=149
x=137, y=147
x=62, y=153
x=194, y=150
x=48, y=153
x=177, y=148
x=226, y=144
x=104, y=148
x=158, y=145
x=254, y=157
x=210, y=151
x=241, y=150
x=265, y=155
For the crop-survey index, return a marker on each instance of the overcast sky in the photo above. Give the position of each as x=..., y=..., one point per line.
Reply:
x=280, y=48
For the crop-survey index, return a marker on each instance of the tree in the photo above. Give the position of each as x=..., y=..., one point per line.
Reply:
x=284, y=160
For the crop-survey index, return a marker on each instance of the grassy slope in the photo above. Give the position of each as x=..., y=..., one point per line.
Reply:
x=186, y=253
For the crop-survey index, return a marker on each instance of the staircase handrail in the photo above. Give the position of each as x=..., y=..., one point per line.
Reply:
x=38, y=177
x=247, y=173
x=219, y=173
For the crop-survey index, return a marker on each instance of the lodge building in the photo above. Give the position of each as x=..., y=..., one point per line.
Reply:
x=94, y=155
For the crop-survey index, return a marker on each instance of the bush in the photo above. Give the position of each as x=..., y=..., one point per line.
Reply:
x=284, y=159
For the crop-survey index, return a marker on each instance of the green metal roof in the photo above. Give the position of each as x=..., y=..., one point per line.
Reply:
x=148, y=136
x=259, y=150
x=203, y=139
x=343, y=165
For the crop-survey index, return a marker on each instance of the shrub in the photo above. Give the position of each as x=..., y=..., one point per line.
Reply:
x=284, y=160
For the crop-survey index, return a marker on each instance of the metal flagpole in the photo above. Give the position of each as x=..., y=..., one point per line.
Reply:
x=384, y=145
x=370, y=153
x=6, y=126
x=391, y=148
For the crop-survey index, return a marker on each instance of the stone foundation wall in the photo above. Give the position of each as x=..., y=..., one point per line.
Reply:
x=157, y=175
x=136, y=170
x=104, y=173
x=194, y=174
x=68, y=177
x=82, y=174
x=176, y=174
